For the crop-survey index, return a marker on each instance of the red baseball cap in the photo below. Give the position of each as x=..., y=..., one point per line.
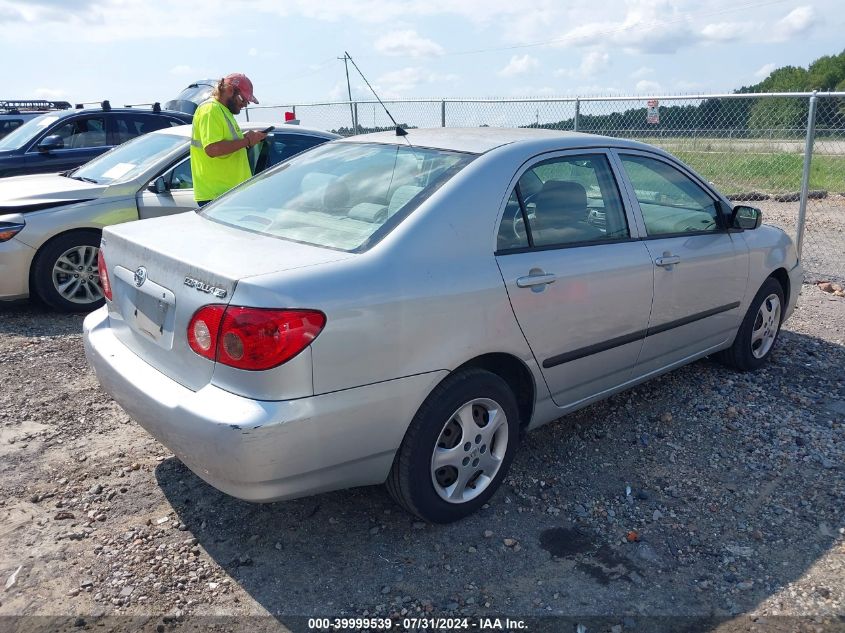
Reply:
x=243, y=84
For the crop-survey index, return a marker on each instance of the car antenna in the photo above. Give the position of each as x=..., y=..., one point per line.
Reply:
x=400, y=131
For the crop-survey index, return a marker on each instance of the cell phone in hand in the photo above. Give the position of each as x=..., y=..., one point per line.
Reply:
x=267, y=130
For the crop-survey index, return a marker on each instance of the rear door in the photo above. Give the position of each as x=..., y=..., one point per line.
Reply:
x=581, y=292
x=700, y=270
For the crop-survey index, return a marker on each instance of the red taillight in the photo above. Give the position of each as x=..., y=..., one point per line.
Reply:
x=104, y=274
x=252, y=338
x=203, y=330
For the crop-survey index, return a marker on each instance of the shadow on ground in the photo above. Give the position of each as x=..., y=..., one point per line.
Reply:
x=736, y=490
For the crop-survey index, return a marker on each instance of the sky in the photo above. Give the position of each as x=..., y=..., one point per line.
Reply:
x=135, y=51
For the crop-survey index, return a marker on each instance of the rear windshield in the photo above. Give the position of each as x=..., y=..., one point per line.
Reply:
x=344, y=196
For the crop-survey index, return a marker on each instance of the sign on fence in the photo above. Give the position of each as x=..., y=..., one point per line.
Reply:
x=652, y=113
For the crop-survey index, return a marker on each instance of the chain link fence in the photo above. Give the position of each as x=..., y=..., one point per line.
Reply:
x=784, y=153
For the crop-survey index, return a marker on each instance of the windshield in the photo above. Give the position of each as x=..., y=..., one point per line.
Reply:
x=127, y=161
x=339, y=195
x=25, y=133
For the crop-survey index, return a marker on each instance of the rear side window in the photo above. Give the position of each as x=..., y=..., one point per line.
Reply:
x=564, y=201
x=128, y=126
x=339, y=195
x=7, y=125
x=670, y=201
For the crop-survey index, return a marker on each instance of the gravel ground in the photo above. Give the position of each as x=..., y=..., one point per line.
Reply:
x=702, y=493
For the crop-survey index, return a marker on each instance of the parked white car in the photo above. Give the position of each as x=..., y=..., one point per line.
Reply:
x=50, y=224
x=386, y=309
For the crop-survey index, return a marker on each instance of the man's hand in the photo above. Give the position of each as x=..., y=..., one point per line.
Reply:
x=224, y=148
x=254, y=136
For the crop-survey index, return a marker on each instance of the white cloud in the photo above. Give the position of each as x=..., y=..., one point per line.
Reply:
x=519, y=65
x=397, y=83
x=252, y=52
x=592, y=63
x=50, y=93
x=647, y=86
x=643, y=71
x=407, y=44
x=728, y=31
x=765, y=71
x=798, y=21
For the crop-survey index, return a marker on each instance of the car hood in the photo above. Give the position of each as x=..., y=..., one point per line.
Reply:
x=43, y=190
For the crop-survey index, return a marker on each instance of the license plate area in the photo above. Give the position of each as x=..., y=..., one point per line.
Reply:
x=149, y=310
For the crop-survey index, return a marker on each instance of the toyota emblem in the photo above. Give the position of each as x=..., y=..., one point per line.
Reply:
x=140, y=276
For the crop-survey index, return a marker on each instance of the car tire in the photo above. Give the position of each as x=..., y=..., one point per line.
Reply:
x=65, y=275
x=481, y=408
x=759, y=330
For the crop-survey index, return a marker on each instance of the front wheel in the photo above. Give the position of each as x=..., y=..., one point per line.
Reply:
x=65, y=274
x=759, y=330
x=458, y=447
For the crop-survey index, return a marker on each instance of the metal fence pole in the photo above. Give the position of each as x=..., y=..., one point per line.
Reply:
x=443, y=113
x=355, y=119
x=805, y=176
x=577, y=115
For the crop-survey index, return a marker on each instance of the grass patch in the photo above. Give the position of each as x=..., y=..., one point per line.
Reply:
x=734, y=172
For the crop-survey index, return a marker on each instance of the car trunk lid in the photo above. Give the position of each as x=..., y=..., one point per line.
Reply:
x=163, y=270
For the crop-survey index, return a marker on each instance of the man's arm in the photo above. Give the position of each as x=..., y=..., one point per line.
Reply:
x=224, y=148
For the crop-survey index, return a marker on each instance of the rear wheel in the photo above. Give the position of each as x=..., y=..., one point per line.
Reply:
x=758, y=333
x=458, y=447
x=65, y=274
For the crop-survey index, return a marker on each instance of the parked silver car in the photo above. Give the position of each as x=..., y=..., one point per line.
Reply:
x=385, y=309
x=50, y=224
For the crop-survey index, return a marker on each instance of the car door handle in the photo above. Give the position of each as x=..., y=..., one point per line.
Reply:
x=667, y=260
x=535, y=280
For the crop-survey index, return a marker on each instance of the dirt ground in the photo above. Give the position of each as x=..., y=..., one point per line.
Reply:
x=702, y=494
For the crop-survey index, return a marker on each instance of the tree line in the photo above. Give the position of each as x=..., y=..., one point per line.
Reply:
x=749, y=117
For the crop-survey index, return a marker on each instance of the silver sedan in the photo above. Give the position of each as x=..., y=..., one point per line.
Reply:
x=398, y=310
x=50, y=224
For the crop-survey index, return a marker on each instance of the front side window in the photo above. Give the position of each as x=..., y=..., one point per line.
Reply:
x=670, y=201
x=83, y=132
x=339, y=195
x=564, y=201
x=180, y=177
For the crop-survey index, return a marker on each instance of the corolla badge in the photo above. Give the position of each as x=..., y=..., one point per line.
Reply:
x=140, y=276
x=205, y=287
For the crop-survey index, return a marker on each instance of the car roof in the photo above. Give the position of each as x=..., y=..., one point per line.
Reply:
x=185, y=130
x=59, y=114
x=483, y=139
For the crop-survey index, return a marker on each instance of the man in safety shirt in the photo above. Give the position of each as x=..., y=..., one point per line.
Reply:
x=218, y=147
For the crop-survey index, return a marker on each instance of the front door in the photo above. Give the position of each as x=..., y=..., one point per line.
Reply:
x=177, y=198
x=700, y=271
x=579, y=282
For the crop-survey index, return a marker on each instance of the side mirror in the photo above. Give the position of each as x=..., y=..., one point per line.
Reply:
x=158, y=185
x=49, y=143
x=746, y=218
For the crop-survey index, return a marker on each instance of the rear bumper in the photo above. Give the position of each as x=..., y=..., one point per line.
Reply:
x=15, y=260
x=261, y=450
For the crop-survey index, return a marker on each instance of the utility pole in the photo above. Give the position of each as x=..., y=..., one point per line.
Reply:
x=345, y=59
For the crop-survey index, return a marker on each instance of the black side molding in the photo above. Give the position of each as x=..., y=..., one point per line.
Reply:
x=583, y=352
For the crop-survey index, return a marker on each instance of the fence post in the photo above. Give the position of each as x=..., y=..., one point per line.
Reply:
x=443, y=113
x=577, y=115
x=805, y=176
x=355, y=119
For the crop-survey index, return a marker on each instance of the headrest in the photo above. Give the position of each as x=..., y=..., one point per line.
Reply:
x=561, y=199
